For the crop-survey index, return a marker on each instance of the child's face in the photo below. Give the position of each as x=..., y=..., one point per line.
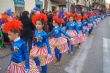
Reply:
x=71, y=19
x=39, y=25
x=12, y=36
x=78, y=20
x=54, y=23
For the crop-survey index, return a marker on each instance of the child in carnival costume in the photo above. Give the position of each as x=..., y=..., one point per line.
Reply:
x=58, y=43
x=71, y=30
x=19, y=62
x=90, y=23
x=93, y=18
x=41, y=51
x=85, y=23
x=79, y=28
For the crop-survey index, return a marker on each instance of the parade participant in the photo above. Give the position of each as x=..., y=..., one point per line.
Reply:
x=41, y=51
x=79, y=28
x=71, y=30
x=19, y=62
x=90, y=23
x=85, y=23
x=58, y=43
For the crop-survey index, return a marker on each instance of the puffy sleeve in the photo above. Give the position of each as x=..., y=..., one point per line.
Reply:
x=64, y=33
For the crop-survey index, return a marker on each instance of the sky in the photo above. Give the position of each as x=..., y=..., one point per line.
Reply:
x=107, y=1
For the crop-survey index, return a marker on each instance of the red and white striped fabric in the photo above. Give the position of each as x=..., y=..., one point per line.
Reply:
x=36, y=51
x=49, y=60
x=82, y=37
x=72, y=33
x=60, y=43
x=76, y=41
x=14, y=68
x=33, y=67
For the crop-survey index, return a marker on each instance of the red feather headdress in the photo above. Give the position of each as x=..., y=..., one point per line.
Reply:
x=78, y=17
x=12, y=25
x=41, y=17
x=85, y=17
x=70, y=15
x=4, y=16
x=58, y=20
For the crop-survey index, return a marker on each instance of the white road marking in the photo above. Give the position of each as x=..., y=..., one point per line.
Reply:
x=106, y=55
x=0, y=68
x=77, y=63
x=108, y=20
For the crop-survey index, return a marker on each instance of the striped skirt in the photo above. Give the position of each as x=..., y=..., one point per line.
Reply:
x=42, y=54
x=20, y=67
x=82, y=38
x=76, y=41
x=60, y=43
x=72, y=33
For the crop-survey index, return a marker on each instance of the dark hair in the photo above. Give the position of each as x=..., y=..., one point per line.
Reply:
x=42, y=22
x=25, y=14
x=16, y=31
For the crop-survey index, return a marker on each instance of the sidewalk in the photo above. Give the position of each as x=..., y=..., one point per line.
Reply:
x=5, y=51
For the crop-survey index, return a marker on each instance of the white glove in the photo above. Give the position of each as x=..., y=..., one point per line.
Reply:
x=49, y=55
x=72, y=39
x=27, y=70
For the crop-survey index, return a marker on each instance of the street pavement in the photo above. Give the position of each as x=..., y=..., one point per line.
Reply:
x=92, y=57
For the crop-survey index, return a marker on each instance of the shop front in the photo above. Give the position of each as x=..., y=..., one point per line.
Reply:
x=19, y=5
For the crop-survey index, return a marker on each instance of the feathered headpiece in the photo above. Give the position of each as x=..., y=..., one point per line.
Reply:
x=12, y=25
x=59, y=17
x=4, y=16
x=90, y=14
x=85, y=17
x=41, y=17
x=70, y=15
x=78, y=17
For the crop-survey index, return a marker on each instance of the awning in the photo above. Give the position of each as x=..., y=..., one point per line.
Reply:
x=38, y=2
